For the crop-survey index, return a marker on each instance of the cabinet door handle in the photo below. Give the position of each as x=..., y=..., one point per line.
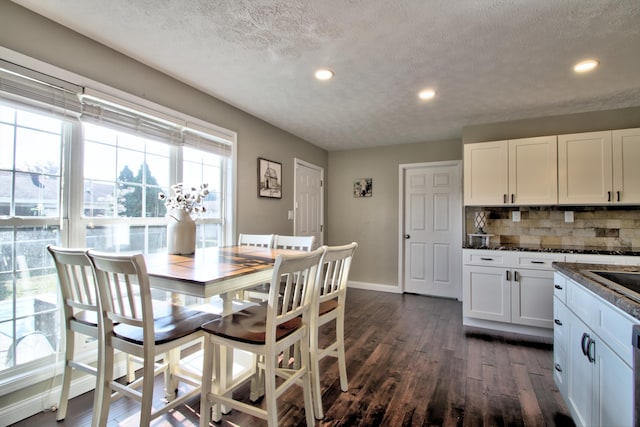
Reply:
x=504, y=198
x=618, y=195
x=557, y=322
x=537, y=262
x=508, y=275
x=513, y=198
x=608, y=196
x=584, y=343
x=486, y=259
x=557, y=367
x=516, y=276
x=558, y=287
x=591, y=350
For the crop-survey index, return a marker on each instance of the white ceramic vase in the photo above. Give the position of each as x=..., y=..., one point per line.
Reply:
x=181, y=233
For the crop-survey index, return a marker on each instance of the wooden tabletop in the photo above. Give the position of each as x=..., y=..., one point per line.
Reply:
x=212, y=271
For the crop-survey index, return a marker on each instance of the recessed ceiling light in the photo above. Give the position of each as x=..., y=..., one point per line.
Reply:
x=585, y=66
x=324, y=74
x=427, y=94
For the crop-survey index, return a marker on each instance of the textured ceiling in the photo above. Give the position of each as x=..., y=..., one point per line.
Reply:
x=489, y=60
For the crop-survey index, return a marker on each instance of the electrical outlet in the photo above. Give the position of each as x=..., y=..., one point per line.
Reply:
x=289, y=215
x=515, y=216
x=568, y=216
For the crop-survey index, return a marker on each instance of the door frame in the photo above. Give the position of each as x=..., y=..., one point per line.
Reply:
x=402, y=168
x=299, y=162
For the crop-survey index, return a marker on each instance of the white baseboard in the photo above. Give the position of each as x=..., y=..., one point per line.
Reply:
x=374, y=287
x=49, y=398
x=43, y=401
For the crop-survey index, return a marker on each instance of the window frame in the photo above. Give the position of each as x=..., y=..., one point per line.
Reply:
x=71, y=221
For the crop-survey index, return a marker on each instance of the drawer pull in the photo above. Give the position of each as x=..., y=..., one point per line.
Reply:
x=591, y=350
x=558, y=287
x=557, y=322
x=537, y=262
x=584, y=343
x=486, y=259
x=557, y=367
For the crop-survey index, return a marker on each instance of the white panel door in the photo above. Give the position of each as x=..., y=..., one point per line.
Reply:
x=308, y=218
x=432, y=230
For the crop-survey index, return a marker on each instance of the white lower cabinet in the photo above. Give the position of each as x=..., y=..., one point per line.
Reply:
x=512, y=288
x=595, y=381
x=486, y=293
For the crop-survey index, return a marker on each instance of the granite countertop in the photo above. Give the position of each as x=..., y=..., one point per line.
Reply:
x=600, y=288
x=567, y=249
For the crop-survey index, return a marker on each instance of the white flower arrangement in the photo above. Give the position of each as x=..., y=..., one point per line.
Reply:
x=190, y=201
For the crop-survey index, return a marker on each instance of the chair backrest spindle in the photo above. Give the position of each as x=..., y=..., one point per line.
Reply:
x=298, y=243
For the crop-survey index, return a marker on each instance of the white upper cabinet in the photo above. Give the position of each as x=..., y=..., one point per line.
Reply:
x=599, y=168
x=585, y=168
x=626, y=166
x=515, y=172
x=486, y=173
x=533, y=171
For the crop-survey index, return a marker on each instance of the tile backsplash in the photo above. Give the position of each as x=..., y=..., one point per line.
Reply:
x=598, y=226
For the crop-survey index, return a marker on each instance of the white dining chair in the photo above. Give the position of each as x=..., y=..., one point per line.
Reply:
x=134, y=324
x=80, y=309
x=328, y=305
x=298, y=243
x=265, y=330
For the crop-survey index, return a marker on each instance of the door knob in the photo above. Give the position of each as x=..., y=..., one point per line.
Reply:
x=406, y=236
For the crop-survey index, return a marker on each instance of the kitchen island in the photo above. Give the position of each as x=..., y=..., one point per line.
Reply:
x=592, y=343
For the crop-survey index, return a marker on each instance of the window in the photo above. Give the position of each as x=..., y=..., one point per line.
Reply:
x=30, y=176
x=84, y=170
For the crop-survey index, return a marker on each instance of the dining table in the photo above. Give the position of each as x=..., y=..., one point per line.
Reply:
x=215, y=271
x=212, y=271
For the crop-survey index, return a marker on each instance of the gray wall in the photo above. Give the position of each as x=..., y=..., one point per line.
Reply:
x=373, y=221
x=623, y=118
x=28, y=33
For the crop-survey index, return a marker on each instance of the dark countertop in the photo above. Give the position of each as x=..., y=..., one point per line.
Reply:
x=560, y=249
x=574, y=271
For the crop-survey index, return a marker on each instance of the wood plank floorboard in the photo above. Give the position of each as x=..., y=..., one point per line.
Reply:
x=410, y=363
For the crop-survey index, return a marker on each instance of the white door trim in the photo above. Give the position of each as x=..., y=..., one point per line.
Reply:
x=299, y=162
x=402, y=168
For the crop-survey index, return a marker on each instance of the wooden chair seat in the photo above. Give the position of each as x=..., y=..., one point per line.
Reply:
x=249, y=326
x=170, y=323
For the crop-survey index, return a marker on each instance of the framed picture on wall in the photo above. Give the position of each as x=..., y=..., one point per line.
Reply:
x=269, y=179
x=363, y=187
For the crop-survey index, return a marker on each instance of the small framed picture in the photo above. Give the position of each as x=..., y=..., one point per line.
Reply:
x=363, y=187
x=269, y=178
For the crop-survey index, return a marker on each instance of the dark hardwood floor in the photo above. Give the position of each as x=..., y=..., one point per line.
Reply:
x=410, y=363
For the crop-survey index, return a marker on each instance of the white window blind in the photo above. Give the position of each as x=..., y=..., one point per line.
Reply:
x=33, y=89
x=105, y=110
